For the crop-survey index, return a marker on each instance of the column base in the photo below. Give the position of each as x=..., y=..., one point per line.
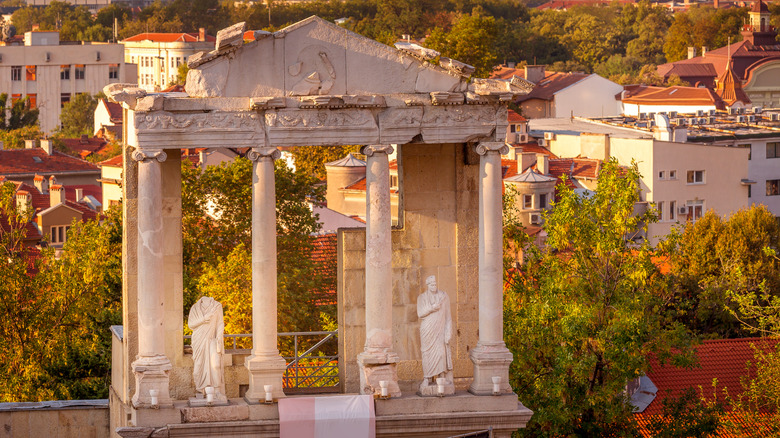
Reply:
x=264, y=370
x=430, y=388
x=152, y=372
x=376, y=367
x=490, y=360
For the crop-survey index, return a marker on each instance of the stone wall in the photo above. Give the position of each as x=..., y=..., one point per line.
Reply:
x=440, y=202
x=55, y=419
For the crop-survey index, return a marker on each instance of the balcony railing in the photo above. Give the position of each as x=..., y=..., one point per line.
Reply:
x=312, y=358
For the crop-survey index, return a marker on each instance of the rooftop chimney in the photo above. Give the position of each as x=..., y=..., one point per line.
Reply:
x=79, y=194
x=29, y=144
x=52, y=180
x=48, y=146
x=542, y=165
x=41, y=184
x=202, y=34
x=534, y=73
x=526, y=160
x=23, y=201
x=691, y=52
x=704, y=50
x=1, y=145
x=56, y=195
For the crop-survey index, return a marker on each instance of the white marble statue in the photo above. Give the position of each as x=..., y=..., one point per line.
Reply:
x=433, y=309
x=208, y=329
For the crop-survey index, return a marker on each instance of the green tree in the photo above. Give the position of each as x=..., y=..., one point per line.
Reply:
x=713, y=256
x=78, y=115
x=582, y=315
x=472, y=40
x=217, y=216
x=310, y=160
x=686, y=416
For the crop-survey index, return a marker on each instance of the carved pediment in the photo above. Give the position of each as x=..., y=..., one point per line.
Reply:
x=315, y=57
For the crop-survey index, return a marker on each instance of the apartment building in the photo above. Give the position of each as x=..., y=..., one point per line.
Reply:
x=50, y=72
x=159, y=55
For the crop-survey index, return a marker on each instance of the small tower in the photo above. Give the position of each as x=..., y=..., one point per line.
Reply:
x=759, y=32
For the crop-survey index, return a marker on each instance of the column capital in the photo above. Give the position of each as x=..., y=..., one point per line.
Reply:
x=492, y=146
x=257, y=154
x=146, y=155
x=372, y=149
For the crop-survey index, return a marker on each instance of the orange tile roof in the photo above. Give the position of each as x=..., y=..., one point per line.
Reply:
x=746, y=423
x=114, y=110
x=159, y=37
x=85, y=145
x=513, y=117
x=575, y=167
x=724, y=359
x=650, y=95
x=113, y=162
x=324, y=257
x=552, y=83
x=507, y=73
x=22, y=162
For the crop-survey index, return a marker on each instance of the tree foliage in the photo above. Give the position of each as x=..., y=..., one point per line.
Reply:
x=582, y=315
x=472, y=40
x=688, y=415
x=311, y=160
x=55, y=339
x=78, y=115
x=217, y=218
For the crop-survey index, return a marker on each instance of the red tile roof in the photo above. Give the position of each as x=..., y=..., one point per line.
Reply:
x=324, y=257
x=724, y=359
x=743, y=423
x=114, y=110
x=168, y=37
x=113, y=162
x=22, y=162
x=174, y=89
x=39, y=201
x=575, y=167
x=86, y=189
x=552, y=83
x=85, y=146
x=507, y=73
x=513, y=117
x=650, y=95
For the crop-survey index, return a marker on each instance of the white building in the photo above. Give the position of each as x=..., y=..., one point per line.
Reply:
x=159, y=55
x=51, y=72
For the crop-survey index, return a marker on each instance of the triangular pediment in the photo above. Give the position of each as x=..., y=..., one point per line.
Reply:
x=317, y=57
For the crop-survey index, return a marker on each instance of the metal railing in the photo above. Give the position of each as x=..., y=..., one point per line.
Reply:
x=312, y=370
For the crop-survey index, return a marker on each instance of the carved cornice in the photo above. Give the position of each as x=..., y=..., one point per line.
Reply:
x=147, y=155
x=370, y=150
x=257, y=154
x=195, y=122
x=492, y=146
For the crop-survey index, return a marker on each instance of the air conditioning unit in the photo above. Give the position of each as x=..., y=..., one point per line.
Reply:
x=710, y=120
x=522, y=138
x=699, y=113
x=682, y=210
x=541, y=142
x=549, y=136
x=775, y=117
x=672, y=114
x=713, y=112
x=751, y=118
x=642, y=116
x=536, y=219
x=733, y=111
x=741, y=119
x=757, y=110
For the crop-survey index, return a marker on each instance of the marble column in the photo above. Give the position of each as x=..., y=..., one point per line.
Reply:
x=491, y=358
x=151, y=367
x=378, y=362
x=265, y=365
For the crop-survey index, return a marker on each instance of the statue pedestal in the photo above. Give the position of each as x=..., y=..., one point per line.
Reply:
x=264, y=371
x=377, y=367
x=151, y=373
x=200, y=401
x=490, y=361
x=431, y=389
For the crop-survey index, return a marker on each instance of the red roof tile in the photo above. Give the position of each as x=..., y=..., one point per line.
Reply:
x=113, y=162
x=552, y=83
x=513, y=117
x=649, y=95
x=507, y=73
x=114, y=110
x=324, y=257
x=168, y=37
x=85, y=146
x=575, y=167
x=23, y=162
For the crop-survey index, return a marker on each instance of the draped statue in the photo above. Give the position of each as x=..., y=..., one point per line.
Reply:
x=208, y=346
x=433, y=309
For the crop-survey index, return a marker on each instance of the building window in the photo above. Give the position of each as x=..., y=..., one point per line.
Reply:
x=672, y=210
x=528, y=201
x=33, y=100
x=750, y=191
x=695, y=177
x=79, y=71
x=113, y=71
x=773, y=150
x=65, y=72
x=543, y=200
x=132, y=60
x=662, y=175
x=773, y=187
x=660, y=206
x=672, y=174
x=64, y=98
x=695, y=210
x=59, y=233
x=394, y=182
x=31, y=72
x=16, y=73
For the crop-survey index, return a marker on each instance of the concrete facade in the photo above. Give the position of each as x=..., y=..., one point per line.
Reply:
x=159, y=55
x=51, y=72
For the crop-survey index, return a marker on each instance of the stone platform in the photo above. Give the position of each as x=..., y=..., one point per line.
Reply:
x=406, y=416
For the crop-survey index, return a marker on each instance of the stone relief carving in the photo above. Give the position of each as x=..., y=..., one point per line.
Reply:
x=214, y=120
x=316, y=71
x=257, y=154
x=311, y=119
x=458, y=115
x=146, y=155
x=208, y=347
x=433, y=309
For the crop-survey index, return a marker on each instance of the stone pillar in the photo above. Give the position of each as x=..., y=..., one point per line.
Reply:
x=490, y=356
x=151, y=367
x=265, y=365
x=378, y=362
